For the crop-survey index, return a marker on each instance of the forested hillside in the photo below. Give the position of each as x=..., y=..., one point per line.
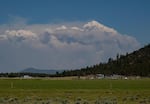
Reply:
x=135, y=63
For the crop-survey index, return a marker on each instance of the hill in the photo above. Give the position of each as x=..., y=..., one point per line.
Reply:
x=135, y=63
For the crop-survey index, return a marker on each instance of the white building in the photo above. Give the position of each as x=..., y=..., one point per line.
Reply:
x=27, y=77
x=100, y=76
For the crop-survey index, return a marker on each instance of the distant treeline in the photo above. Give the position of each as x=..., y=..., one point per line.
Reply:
x=11, y=75
x=136, y=63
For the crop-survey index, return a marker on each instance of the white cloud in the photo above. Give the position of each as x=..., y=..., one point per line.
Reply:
x=63, y=46
x=76, y=28
x=95, y=26
x=24, y=34
x=61, y=28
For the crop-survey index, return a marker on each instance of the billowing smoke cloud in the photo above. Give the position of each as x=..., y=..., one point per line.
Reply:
x=66, y=46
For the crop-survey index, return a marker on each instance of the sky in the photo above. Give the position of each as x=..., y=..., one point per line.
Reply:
x=69, y=34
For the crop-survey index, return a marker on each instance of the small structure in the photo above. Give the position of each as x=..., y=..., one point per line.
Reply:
x=125, y=78
x=27, y=77
x=100, y=76
x=116, y=76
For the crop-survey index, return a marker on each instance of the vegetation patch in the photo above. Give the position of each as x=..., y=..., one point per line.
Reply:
x=39, y=91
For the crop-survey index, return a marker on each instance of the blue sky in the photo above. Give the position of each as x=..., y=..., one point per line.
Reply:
x=127, y=16
x=43, y=31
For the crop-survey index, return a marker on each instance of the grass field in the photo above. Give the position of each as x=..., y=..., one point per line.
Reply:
x=45, y=91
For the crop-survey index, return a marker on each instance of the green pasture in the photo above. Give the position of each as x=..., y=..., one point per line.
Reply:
x=89, y=90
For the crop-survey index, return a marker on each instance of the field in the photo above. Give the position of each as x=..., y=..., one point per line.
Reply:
x=46, y=91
